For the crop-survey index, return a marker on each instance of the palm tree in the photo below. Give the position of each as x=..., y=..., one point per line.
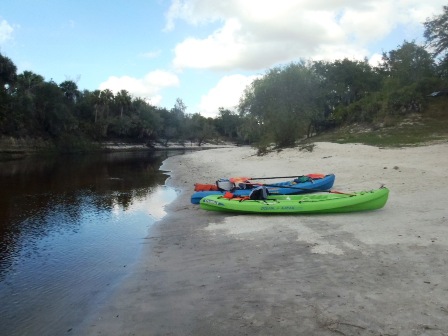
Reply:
x=28, y=81
x=123, y=100
x=106, y=100
x=70, y=90
x=96, y=103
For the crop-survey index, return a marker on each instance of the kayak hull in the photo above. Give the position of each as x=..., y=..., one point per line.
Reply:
x=280, y=188
x=301, y=204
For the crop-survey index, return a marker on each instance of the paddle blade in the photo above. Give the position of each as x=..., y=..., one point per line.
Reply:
x=205, y=187
x=239, y=179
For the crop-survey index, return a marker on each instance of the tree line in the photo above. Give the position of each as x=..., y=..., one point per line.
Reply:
x=301, y=99
x=31, y=107
x=287, y=103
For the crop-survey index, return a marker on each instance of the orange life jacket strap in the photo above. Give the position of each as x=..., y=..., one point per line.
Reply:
x=316, y=176
x=228, y=195
x=205, y=187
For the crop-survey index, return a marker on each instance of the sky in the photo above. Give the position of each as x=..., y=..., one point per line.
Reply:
x=202, y=51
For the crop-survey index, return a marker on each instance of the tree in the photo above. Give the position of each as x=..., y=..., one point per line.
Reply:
x=179, y=108
x=8, y=74
x=408, y=64
x=346, y=81
x=199, y=128
x=174, y=122
x=96, y=103
x=227, y=123
x=106, y=101
x=343, y=82
x=27, y=82
x=52, y=113
x=282, y=103
x=407, y=71
x=7, y=81
x=436, y=33
x=25, y=94
x=123, y=100
x=70, y=90
x=149, y=119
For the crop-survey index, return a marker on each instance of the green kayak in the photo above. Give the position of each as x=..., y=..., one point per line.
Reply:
x=330, y=202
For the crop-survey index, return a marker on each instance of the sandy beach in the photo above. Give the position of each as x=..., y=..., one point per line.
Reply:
x=370, y=273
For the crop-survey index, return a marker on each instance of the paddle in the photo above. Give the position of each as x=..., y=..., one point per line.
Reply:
x=281, y=186
x=277, y=186
x=309, y=189
x=270, y=178
x=264, y=178
x=312, y=176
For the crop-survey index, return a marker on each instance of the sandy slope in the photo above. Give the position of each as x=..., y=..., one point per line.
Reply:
x=372, y=273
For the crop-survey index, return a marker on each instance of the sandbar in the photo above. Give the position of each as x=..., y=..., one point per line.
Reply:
x=380, y=272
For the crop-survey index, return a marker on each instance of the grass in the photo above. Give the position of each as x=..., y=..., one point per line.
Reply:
x=420, y=129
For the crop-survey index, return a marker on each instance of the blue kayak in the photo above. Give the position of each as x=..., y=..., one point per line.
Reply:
x=292, y=187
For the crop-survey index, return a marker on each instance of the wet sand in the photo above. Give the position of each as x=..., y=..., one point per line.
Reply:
x=372, y=273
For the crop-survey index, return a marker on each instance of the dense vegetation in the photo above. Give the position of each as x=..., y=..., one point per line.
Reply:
x=290, y=102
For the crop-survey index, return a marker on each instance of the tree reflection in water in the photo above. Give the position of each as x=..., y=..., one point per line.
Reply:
x=71, y=221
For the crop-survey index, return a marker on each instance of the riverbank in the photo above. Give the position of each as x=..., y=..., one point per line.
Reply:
x=371, y=273
x=169, y=146
x=15, y=149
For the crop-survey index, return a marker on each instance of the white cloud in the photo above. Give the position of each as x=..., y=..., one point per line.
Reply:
x=5, y=31
x=363, y=25
x=219, y=50
x=197, y=12
x=375, y=60
x=257, y=34
x=151, y=54
x=226, y=94
x=147, y=87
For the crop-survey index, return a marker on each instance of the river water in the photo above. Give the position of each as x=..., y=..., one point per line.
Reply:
x=70, y=229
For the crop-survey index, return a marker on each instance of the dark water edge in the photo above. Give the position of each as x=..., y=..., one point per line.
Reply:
x=70, y=229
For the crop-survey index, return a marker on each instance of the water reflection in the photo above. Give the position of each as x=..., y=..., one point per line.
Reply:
x=68, y=228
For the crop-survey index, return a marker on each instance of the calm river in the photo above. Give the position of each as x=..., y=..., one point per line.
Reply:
x=70, y=228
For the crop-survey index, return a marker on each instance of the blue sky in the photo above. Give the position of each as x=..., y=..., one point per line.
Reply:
x=204, y=52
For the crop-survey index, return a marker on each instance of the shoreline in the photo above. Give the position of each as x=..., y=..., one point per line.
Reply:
x=16, y=149
x=379, y=272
